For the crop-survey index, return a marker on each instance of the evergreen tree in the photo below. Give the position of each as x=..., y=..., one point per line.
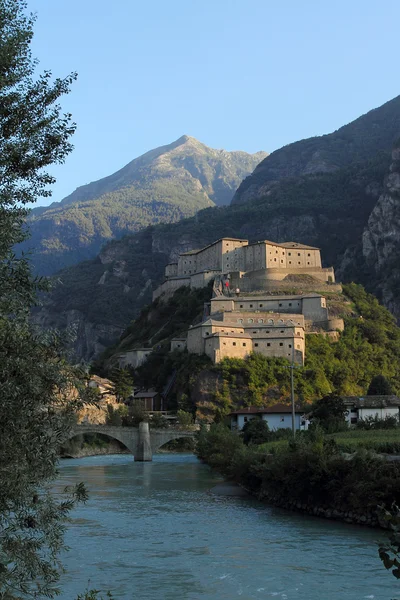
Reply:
x=379, y=386
x=39, y=390
x=122, y=384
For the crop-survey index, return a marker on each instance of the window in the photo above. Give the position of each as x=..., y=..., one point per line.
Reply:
x=251, y=320
x=254, y=331
x=244, y=343
x=240, y=320
x=298, y=346
x=261, y=320
x=299, y=263
x=282, y=419
x=289, y=254
x=276, y=251
x=260, y=305
x=240, y=305
x=251, y=306
x=207, y=333
x=298, y=254
x=267, y=331
x=223, y=343
x=275, y=259
x=308, y=254
x=280, y=303
x=256, y=345
x=234, y=344
x=282, y=331
x=290, y=262
x=281, y=343
x=245, y=419
x=290, y=345
x=308, y=263
x=290, y=304
x=281, y=260
x=268, y=344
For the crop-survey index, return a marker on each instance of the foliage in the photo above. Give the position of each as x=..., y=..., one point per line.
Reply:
x=380, y=386
x=255, y=432
x=389, y=553
x=184, y=418
x=330, y=413
x=217, y=446
x=158, y=422
x=389, y=422
x=136, y=414
x=39, y=390
x=122, y=384
x=116, y=416
x=93, y=594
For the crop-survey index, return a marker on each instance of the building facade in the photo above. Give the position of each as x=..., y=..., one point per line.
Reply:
x=278, y=416
x=260, y=264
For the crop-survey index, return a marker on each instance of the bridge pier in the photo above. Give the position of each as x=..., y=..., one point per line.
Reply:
x=143, y=451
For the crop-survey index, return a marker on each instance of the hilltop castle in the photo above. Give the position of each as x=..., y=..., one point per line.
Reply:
x=259, y=266
x=236, y=324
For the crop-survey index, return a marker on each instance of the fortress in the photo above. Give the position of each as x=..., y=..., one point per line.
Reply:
x=262, y=265
x=240, y=319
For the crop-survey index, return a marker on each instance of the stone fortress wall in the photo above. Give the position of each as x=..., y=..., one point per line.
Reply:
x=250, y=267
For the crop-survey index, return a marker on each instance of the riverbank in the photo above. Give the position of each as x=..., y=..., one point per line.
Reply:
x=310, y=476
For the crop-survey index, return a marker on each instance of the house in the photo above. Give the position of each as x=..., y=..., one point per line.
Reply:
x=149, y=400
x=364, y=407
x=278, y=416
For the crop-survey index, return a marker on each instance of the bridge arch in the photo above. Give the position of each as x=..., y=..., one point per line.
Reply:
x=126, y=436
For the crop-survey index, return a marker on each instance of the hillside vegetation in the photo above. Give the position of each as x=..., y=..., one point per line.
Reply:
x=162, y=186
x=369, y=346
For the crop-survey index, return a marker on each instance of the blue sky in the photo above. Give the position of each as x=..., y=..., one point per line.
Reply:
x=236, y=74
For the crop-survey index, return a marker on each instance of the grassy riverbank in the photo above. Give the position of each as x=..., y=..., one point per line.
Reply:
x=311, y=474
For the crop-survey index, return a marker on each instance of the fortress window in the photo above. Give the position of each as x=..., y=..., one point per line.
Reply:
x=254, y=331
x=251, y=306
x=261, y=320
x=224, y=343
x=267, y=331
x=207, y=333
x=282, y=331
x=234, y=344
x=290, y=304
x=276, y=251
x=308, y=263
x=281, y=343
x=282, y=260
x=261, y=305
x=244, y=343
x=290, y=345
x=240, y=305
x=256, y=345
x=298, y=254
x=298, y=345
x=251, y=321
x=290, y=262
x=268, y=344
x=274, y=259
x=308, y=254
x=299, y=263
x=289, y=254
x=280, y=303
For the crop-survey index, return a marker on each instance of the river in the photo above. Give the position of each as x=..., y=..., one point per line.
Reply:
x=152, y=531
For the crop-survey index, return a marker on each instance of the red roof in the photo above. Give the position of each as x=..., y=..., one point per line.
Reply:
x=275, y=409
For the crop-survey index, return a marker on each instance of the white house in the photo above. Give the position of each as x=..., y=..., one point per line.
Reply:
x=278, y=416
x=363, y=407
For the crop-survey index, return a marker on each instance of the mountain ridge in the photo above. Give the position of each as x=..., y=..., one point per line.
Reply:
x=165, y=184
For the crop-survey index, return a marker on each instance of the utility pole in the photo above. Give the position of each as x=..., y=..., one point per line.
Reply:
x=292, y=367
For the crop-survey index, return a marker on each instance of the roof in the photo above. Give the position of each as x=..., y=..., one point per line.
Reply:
x=275, y=409
x=231, y=239
x=285, y=245
x=271, y=298
x=371, y=401
x=145, y=395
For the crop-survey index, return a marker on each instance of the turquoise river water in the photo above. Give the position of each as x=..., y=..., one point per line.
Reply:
x=152, y=531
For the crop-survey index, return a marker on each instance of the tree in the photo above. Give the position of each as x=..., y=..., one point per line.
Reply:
x=389, y=553
x=122, y=384
x=255, y=432
x=380, y=386
x=39, y=390
x=330, y=413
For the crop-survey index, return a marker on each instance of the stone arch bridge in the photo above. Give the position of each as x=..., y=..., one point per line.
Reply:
x=142, y=442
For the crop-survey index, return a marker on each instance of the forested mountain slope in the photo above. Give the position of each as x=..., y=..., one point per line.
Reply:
x=356, y=142
x=350, y=213
x=162, y=186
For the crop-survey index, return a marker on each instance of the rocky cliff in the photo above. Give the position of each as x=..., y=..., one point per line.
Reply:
x=162, y=186
x=381, y=239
